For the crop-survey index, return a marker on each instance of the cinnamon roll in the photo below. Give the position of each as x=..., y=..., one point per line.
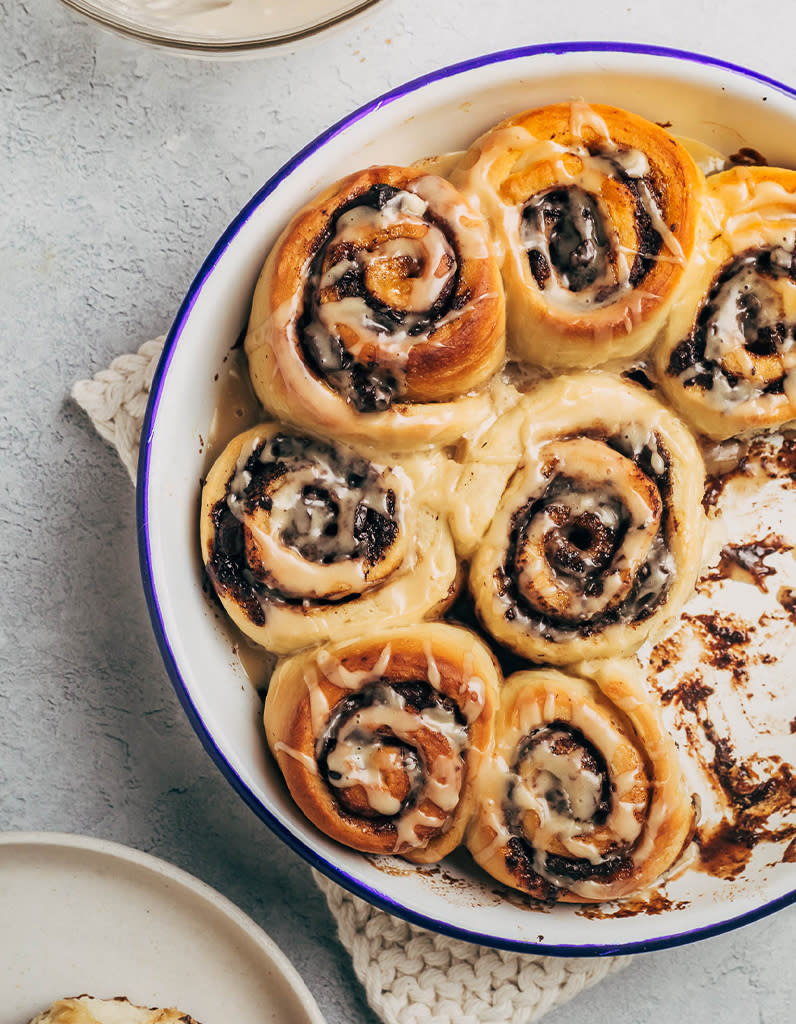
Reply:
x=583, y=799
x=303, y=540
x=728, y=358
x=595, y=212
x=594, y=493
x=90, y=1010
x=378, y=316
x=379, y=739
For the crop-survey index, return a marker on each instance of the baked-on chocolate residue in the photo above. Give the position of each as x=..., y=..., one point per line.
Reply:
x=746, y=562
x=714, y=486
x=690, y=692
x=726, y=849
x=653, y=902
x=752, y=791
x=787, y=598
x=747, y=157
x=757, y=458
x=519, y=861
x=639, y=375
x=665, y=653
x=724, y=641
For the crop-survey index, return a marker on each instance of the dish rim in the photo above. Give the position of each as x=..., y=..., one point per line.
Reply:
x=332, y=871
x=183, y=880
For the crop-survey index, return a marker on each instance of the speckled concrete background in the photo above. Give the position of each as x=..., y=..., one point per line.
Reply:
x=120, y=166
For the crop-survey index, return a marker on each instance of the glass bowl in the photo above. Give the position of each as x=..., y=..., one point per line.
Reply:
x=218, y=28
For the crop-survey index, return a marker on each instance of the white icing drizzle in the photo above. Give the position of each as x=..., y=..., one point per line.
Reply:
x=739, y=375
x=292, y=375
x=473, y=691
x=433, y=676
x=606, y=492
x=551, y=797
x=382, y=737
x=307, y=762
x=319, y=704
x=574, y=167
x=362, y=753
x=347, y=679
x=288, y=546
x=615, y=279
x=423, y=247
x=405, y=261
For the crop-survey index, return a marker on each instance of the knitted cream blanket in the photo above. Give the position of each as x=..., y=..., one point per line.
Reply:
x=411, y=976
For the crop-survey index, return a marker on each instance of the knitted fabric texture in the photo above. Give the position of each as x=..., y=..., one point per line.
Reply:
x=116, y=399
x=410, y=976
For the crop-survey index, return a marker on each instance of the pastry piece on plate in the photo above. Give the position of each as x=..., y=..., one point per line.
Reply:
x=595, y=213
x=89, y=1010
x=378, y=317
x=727, y=360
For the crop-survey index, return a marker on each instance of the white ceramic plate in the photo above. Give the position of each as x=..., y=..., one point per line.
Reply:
x=94, y=917
x=723, y=106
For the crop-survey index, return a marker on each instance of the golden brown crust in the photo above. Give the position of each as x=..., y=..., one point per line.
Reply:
x=726, y=367
x=638, y=190
x=584, y=798
x=341, y=264
x=408, y=769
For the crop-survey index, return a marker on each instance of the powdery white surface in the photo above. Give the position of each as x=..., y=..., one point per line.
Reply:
x=121, y=167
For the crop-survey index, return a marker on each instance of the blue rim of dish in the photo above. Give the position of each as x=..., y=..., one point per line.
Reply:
x=337, y=874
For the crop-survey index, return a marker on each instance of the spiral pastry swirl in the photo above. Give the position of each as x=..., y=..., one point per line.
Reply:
x=304, y=540
x=728, y=357
x=595, y=213
x=583, y=799
x=379, y=316
x=594, y=493
x=379, y=739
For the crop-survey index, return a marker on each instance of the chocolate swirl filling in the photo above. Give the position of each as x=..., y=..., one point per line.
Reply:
x=378, y=771
x=387, y=269
x=333, y=507
x=579, y=533
x=569, y=234
x=740, y=331
x=559, y=786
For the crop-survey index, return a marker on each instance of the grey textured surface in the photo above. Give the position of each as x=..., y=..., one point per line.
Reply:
x=120, y=165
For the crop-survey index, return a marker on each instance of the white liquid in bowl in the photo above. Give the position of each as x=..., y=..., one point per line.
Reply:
x=222, y=20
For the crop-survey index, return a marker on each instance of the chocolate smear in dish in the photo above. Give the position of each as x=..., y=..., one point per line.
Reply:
x=769, y=457
x=746, y=562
